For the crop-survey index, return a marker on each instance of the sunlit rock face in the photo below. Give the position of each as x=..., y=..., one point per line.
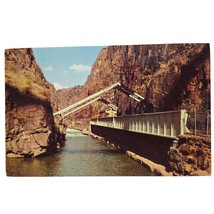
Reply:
x=31, y=129
x=170, y=77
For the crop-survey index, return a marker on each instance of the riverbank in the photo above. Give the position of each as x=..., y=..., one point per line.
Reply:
x=155, y=168
x=191, y=157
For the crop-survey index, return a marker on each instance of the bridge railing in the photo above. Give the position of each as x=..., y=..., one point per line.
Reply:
x=165, y=124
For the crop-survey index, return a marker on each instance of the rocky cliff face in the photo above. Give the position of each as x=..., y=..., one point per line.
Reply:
x=192, y=156
x=170, y=77
x=31, y=129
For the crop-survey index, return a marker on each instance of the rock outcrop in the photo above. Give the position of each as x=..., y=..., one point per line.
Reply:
x=192, y=156
x=170, y=77
x=31, y=129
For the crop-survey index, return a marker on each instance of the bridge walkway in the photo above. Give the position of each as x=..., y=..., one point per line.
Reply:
x=168, y=124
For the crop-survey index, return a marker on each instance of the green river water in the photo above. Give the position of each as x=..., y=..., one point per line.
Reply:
x=82, y=155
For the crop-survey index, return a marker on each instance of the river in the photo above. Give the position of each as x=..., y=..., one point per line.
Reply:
x=82, y=155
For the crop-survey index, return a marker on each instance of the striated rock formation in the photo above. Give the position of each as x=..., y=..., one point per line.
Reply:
x=31, y=129
x=170, y=77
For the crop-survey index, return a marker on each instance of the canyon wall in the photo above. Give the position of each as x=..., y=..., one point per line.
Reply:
x=31, y=129
x=170, y=77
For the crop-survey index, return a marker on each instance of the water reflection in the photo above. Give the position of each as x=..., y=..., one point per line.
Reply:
x=81, y=156
x=97, y=151
x=33, y=167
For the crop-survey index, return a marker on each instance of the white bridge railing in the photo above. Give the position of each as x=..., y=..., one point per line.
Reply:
x=164, y=124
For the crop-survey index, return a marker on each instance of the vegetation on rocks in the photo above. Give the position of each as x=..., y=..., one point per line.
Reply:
x=26, y=83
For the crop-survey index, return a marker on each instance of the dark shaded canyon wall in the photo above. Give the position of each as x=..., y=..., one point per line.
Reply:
x=31, y=129
x=170, y=77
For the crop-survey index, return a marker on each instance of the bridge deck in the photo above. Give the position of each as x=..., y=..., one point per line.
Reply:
x=163, y=124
